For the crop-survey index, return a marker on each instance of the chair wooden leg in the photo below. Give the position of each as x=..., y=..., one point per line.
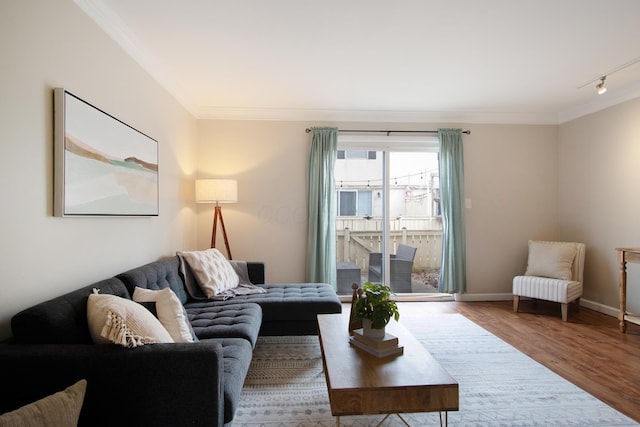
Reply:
x=577, y=304
x=516, y=302
x=565, y=311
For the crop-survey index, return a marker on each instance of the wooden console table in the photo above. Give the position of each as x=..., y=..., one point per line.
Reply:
x=626, y=255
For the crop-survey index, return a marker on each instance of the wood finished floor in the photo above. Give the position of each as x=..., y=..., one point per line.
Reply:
x=588, y=350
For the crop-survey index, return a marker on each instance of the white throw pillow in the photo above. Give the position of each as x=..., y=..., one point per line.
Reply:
x=171, y=312
x=117, y=320
x=213, y=272
x=551, y=259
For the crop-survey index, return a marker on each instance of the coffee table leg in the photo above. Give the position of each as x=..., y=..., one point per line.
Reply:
x=399, y=416
x=446, y=418
x=403, y=420
x=338, y=421
x=383, y=420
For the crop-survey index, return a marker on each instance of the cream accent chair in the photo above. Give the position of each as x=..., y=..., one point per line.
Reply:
x=554, y=273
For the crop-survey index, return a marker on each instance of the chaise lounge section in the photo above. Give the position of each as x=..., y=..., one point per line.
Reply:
x=196, y=383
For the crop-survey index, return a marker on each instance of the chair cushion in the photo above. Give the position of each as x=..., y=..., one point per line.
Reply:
x=551, y=259
x=563, y=291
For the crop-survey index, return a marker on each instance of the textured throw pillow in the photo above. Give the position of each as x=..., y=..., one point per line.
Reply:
x=211, y=270
x=551, y=259
x=117, y=320
x=169, y=311
x=61, y=409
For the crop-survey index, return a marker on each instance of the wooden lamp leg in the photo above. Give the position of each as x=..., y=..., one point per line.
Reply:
x=218, y=213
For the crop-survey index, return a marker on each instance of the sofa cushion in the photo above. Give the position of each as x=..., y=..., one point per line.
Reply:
x=156, y=275
x=212, y=320
x=169, y=310
x=61, y=409
x=121, y=321
x=294, y=301
x=237, y=355
x=62, y=320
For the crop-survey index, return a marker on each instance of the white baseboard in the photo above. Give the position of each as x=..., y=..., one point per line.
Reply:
x=601, y=308
x=605, y=309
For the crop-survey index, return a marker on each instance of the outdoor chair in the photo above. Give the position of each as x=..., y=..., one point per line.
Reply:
x=554, y=273
x=401, y=266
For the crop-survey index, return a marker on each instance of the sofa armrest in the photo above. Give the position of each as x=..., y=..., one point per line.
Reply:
x=158, y=384
x=256, y=272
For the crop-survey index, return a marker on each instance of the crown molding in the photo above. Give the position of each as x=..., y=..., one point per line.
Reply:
x=115, y=28
x=600, y=103
x=302, y=114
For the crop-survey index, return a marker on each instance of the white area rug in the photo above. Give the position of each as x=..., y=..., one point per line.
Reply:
x=499, y=386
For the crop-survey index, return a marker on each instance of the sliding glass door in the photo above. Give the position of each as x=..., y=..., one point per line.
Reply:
x=388, y=222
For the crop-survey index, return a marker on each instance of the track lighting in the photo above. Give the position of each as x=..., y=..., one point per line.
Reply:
x=600, y=86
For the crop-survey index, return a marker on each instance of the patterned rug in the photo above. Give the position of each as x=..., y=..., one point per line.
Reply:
x=499, y=386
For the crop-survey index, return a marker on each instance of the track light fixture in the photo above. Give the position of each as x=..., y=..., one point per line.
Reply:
x=600, y=86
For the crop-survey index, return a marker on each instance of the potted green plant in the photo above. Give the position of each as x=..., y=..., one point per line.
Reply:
x=376, y=308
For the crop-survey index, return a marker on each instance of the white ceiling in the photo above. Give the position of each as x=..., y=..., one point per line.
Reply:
x=508, y=61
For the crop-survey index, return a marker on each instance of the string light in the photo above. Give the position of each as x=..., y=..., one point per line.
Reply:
x=377, y=181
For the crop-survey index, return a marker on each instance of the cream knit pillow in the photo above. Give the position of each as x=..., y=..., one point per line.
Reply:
x=211, y=270
x=117, y=320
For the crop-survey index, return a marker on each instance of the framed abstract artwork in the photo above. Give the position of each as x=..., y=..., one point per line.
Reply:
x=102, y=166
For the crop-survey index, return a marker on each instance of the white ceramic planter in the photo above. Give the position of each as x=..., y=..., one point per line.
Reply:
x=368, y=331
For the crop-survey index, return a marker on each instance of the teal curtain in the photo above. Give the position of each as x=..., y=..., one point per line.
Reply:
x=453, y=272
x=321, y=243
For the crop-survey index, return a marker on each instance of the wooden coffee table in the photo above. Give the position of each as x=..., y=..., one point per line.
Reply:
x=360, y=383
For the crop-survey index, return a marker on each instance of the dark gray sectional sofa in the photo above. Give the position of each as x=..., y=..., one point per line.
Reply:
x=177, y=384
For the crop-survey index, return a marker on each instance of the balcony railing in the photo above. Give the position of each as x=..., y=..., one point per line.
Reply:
x=358, y=237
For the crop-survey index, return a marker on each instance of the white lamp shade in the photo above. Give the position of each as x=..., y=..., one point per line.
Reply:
x=216, y=191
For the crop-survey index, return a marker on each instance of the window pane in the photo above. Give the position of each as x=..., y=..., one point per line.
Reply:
x=347, y=203
x=365, y=207
x=357, y=154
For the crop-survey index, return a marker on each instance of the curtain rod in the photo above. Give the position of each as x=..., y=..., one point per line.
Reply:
x=388, y=132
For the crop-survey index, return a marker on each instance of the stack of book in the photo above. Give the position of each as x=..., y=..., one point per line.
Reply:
x=387, y=346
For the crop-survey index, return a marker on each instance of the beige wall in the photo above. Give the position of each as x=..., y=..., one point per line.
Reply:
x=47, y=44
x=599, y=155
x=269, y=160
x=575, y=181
x=511, y=178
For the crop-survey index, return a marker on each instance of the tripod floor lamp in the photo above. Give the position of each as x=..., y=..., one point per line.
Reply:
x=217, y=191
